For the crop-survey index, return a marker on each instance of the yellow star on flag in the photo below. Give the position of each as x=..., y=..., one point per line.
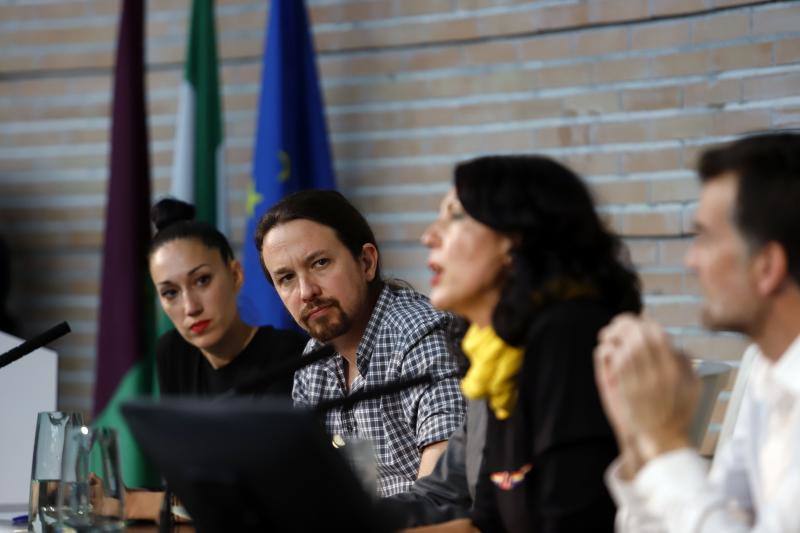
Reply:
x=286, y=167
x=253, y=198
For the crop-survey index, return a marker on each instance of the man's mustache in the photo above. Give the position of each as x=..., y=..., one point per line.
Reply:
x=316, y=305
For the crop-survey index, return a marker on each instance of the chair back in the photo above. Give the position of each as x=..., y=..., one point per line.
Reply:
x=735, y=400
x=714, y=376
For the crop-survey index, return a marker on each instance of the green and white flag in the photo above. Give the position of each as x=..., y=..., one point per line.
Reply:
x=198, y=166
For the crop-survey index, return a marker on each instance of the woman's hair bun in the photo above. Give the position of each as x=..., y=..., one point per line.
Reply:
x=168, y=211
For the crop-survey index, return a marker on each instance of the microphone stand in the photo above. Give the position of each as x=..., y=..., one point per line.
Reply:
x=35, y=343
x=393, y=387
x=280, y=371
x=165, y=522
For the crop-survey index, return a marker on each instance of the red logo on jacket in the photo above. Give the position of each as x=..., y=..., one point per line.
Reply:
x=509, y=480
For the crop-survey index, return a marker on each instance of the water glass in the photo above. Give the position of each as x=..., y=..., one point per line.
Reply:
x=91, y=500
x=46, y=468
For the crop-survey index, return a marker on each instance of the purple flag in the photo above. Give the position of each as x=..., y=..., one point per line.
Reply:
x=125, y=341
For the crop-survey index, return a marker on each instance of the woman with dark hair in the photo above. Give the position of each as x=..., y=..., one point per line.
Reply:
x=519, y=251
x=211, y=351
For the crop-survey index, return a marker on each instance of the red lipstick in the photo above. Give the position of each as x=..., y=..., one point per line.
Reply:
x=199, y=327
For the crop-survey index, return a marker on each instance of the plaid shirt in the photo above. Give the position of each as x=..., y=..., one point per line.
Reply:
x=405, y=337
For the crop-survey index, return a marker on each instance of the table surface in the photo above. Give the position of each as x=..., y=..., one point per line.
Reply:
x=7, y=527
x=704, y=368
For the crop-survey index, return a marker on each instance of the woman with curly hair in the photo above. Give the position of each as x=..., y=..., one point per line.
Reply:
x=519, y=251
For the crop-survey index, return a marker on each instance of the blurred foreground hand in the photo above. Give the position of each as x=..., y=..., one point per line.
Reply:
x=648, y=389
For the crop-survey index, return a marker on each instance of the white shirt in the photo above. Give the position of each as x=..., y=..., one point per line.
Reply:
x=754, y=483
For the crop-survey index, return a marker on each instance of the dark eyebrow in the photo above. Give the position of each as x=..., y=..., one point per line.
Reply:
x=280, y=272
x=310, y=258
x=313, y=256
x=198, y=267
x=191, y=272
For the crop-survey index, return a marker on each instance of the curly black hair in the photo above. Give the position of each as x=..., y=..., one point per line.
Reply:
x=559, y=238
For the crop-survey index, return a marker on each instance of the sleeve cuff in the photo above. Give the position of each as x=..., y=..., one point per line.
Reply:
x=437, y=428
x=672, y=478
x=662, y=471
x=632, y=513
x=623, y=492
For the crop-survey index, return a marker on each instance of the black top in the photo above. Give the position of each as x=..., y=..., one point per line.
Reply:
x=543, y=466
x=184, y=371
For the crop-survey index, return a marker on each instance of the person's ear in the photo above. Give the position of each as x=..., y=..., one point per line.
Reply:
x=237, y=271
x=771, y=268
x=369, y=261
x=508, y=243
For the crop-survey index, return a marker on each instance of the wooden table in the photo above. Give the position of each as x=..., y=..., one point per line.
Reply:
x=7, y=527
x=153, y=528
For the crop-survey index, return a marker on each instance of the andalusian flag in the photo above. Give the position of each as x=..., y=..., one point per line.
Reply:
x=198, y=175
x=125, y=348
x=197, y=170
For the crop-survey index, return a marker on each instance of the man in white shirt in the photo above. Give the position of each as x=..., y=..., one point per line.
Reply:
x=747, y=259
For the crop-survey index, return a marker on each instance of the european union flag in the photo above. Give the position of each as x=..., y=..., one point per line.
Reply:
x=291, y=151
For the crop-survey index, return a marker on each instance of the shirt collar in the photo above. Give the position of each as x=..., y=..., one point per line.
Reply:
x=785, y=372
x=370, y=336
x=787, y=369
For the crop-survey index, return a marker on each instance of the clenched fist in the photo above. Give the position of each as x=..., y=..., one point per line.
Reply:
x=649, y=390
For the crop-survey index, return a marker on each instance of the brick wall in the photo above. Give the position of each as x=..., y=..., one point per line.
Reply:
x=626, y=91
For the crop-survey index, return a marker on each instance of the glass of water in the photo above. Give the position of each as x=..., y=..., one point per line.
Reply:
x=46, y=469
x=91, y=494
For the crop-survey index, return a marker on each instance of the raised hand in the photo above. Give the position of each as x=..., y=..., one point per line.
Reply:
x=648, y=388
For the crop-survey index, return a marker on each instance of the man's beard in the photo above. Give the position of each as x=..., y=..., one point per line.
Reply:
x=334, y=323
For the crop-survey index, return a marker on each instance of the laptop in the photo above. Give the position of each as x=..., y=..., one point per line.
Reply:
x=252, y=465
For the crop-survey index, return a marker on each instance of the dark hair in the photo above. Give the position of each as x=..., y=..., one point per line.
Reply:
x=174, y=219
x=559, y=238
x=767, y=167
x=328, y=208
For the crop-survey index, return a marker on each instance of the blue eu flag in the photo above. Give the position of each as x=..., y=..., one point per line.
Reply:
x=291, y=151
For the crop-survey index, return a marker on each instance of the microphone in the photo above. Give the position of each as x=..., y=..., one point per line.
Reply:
x=35, y=343
x=283, y=370
x=389, y=388
x=165, y=522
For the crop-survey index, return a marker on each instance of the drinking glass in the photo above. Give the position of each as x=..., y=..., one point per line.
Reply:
x=46, y=468
x=91, y=500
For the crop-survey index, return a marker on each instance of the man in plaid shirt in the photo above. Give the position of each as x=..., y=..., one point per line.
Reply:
x=322, y=257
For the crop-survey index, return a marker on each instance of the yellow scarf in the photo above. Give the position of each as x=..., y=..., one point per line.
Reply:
x=493, y=367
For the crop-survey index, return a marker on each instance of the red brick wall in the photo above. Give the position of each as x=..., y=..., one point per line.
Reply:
x=626, y=91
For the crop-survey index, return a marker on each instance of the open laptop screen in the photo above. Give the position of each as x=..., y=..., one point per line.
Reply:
x=247, y=465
